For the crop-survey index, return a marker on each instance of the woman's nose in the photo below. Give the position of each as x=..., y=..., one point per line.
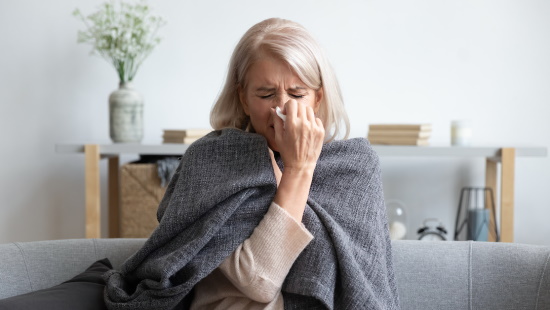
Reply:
x=281, y=100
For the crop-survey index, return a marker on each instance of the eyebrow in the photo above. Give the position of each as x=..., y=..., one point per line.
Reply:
x=270, y=89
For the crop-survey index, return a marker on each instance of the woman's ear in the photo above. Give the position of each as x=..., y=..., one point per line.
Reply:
x=242, y=99
x=318, y=98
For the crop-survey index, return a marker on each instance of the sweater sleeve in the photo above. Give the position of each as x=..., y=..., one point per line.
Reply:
x=259, y=266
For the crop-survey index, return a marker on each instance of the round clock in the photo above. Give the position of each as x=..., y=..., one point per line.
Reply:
x=432, y=232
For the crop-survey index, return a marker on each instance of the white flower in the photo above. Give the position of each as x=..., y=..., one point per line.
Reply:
x=123, y=35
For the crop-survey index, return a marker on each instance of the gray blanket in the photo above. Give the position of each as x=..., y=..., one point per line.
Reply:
x=220, y=192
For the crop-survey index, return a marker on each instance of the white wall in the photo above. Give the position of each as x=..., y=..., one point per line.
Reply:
x=397, y=61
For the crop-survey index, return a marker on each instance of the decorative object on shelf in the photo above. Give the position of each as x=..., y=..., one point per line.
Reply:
x=397, y=219
x=461, y=133
x=431, y=232
x=185, y=136
x=473, y=213
x=125, y=35
x=400, y=134
x=126, y=114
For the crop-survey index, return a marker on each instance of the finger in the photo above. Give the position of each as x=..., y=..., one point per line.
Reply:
x=302, y=113
x=291, y=109
x=319, y=122
x=310, y=115
x=320, y=126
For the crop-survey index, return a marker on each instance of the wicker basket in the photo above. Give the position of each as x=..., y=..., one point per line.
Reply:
x=141, y=194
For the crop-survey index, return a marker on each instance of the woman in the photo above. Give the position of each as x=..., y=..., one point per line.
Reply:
x=308, y=204
x=260, y=79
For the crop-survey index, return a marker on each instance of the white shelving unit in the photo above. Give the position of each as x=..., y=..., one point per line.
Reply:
x=494, y=156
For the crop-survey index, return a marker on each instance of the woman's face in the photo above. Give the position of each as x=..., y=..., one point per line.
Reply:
x=270, y=82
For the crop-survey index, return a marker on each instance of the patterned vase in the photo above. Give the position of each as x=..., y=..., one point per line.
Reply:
x=126, y=114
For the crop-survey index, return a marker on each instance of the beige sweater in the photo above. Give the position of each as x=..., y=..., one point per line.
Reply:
x=252, y=277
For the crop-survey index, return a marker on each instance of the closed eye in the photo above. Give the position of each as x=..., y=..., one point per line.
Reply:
x=297, y=96
x=266, y=96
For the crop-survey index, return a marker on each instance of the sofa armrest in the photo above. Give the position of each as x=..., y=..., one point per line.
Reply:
x=31, y=266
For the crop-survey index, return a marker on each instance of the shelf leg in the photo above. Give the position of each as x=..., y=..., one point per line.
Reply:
x=491, y=182
x=114, y=197
x=93, y=218
x=507, y=194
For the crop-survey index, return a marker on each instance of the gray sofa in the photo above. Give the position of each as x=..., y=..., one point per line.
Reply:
x=430, y=275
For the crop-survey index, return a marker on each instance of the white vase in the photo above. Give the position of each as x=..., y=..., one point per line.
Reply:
x=126, y=114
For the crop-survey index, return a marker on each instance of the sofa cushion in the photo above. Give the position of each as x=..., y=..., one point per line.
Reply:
x=84, y=291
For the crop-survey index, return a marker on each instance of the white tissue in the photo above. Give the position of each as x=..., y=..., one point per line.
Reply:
x=280, y=114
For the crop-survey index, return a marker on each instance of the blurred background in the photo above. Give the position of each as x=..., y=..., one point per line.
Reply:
x=400, y=61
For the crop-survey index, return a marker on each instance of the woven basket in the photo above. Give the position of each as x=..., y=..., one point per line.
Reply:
x=141, y=194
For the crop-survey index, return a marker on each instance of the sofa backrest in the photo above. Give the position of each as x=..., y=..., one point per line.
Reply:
x=472, y=275
x=430, y=275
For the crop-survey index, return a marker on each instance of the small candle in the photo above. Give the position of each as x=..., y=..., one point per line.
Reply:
x=461, y=133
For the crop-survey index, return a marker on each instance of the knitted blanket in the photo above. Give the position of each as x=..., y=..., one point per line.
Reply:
x=218, y=195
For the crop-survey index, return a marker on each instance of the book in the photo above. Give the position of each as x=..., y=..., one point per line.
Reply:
x=185, y=136
x=184, y=140
x=399, y=141
x=196, y=132
x=417, y=127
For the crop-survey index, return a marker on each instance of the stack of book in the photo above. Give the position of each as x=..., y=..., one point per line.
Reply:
x=400, y=134
x=185, y=136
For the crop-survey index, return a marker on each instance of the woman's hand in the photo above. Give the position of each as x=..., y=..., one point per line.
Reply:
x=300, y=138
x=299, y=141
